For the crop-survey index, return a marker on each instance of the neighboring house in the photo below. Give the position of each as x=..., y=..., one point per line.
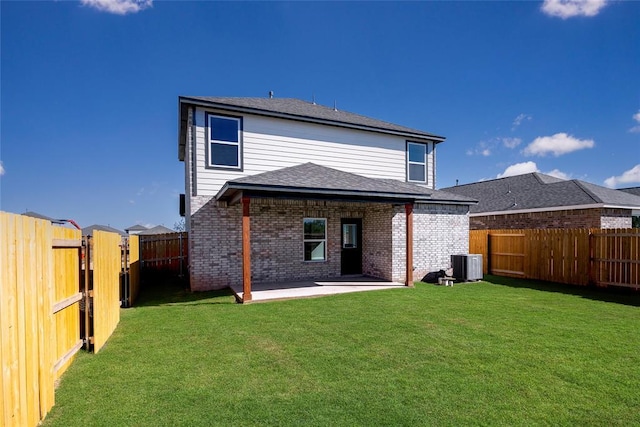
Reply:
x=631, y=190
x=536, y=200
x=158, y=229
x=63, y=222
x=283, y=189
x=135, y=229
x=636, y=213
x=88, y=231
x=41, y=216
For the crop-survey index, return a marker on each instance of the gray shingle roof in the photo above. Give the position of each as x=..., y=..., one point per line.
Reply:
x=136, y=227
x=41, y=216
x=315, y=180
x=539, y=191
x=158, y=229
x=631, y=190
x=307, y=111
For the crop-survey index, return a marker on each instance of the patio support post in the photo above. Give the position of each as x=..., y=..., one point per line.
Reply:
x=409, y=246
x=246, y=250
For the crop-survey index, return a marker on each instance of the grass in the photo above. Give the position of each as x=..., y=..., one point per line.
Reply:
x=501, y=352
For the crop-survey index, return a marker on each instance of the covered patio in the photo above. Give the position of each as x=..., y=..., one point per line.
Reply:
x=306, y=223
x=274, y=291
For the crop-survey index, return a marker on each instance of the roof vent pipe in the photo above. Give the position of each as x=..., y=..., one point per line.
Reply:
x=270, y=94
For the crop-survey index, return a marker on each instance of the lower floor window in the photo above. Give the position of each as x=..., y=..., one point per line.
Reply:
x=315, y=239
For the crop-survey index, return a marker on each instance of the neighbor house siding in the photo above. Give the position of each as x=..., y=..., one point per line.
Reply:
x=271, y=143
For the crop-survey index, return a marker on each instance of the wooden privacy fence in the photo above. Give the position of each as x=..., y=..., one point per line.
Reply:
x=130, y=276
x=601, y=257
x=164, y=253
x=44, y=296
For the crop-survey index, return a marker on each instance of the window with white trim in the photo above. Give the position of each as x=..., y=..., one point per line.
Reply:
x=224, y=143
x=315, y=239
x=416, y=162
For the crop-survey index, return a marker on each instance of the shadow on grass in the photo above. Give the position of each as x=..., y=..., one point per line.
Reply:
x=175, y=291
x=619, y=295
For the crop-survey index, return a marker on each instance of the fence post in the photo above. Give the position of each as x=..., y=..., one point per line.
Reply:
x=489, y=252
x=591, y=263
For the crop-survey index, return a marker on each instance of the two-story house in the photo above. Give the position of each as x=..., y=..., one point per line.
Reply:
x=283, y=190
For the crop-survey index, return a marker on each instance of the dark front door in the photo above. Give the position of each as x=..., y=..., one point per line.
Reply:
x=351, y=254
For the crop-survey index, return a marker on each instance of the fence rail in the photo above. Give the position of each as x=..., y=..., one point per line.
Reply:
x=50, y=306
x=601, y=257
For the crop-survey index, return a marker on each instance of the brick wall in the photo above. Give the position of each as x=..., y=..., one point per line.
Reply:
x=439, y=232
x=578, y=218
x=616, y=218
x=377, y=242
x=277, y=247
x=215, y=244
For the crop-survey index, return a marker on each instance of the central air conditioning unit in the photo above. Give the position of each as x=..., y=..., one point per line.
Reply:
x=467, y=267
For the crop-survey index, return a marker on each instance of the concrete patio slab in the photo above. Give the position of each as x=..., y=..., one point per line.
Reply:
x=272, y=291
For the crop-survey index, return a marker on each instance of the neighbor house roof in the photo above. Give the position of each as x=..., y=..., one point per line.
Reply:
x=41, y=216
x=158, y=229
x=539, y=192
x=88, y=231
x=295, y=109
x=631, y=190
x=309, y=180
x=136, y=227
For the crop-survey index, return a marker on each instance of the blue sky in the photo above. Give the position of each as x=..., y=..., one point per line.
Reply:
x=88, y=95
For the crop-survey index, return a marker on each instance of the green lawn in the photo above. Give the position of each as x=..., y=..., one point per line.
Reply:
x=502, y=352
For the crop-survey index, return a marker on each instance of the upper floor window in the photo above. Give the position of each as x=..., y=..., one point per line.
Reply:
x=224, y=141
x=416, y=162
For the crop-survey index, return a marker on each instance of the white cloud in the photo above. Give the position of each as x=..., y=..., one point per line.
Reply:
x=529, y=167
x=632, y=176
x=511, y=142
x=519, y=169
x=557, y=144
x=518, y=120
x=118, y=7
x=569, y=8
x=636, y=117
x=559, y=174
x=483, y=148
x=1, y=168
